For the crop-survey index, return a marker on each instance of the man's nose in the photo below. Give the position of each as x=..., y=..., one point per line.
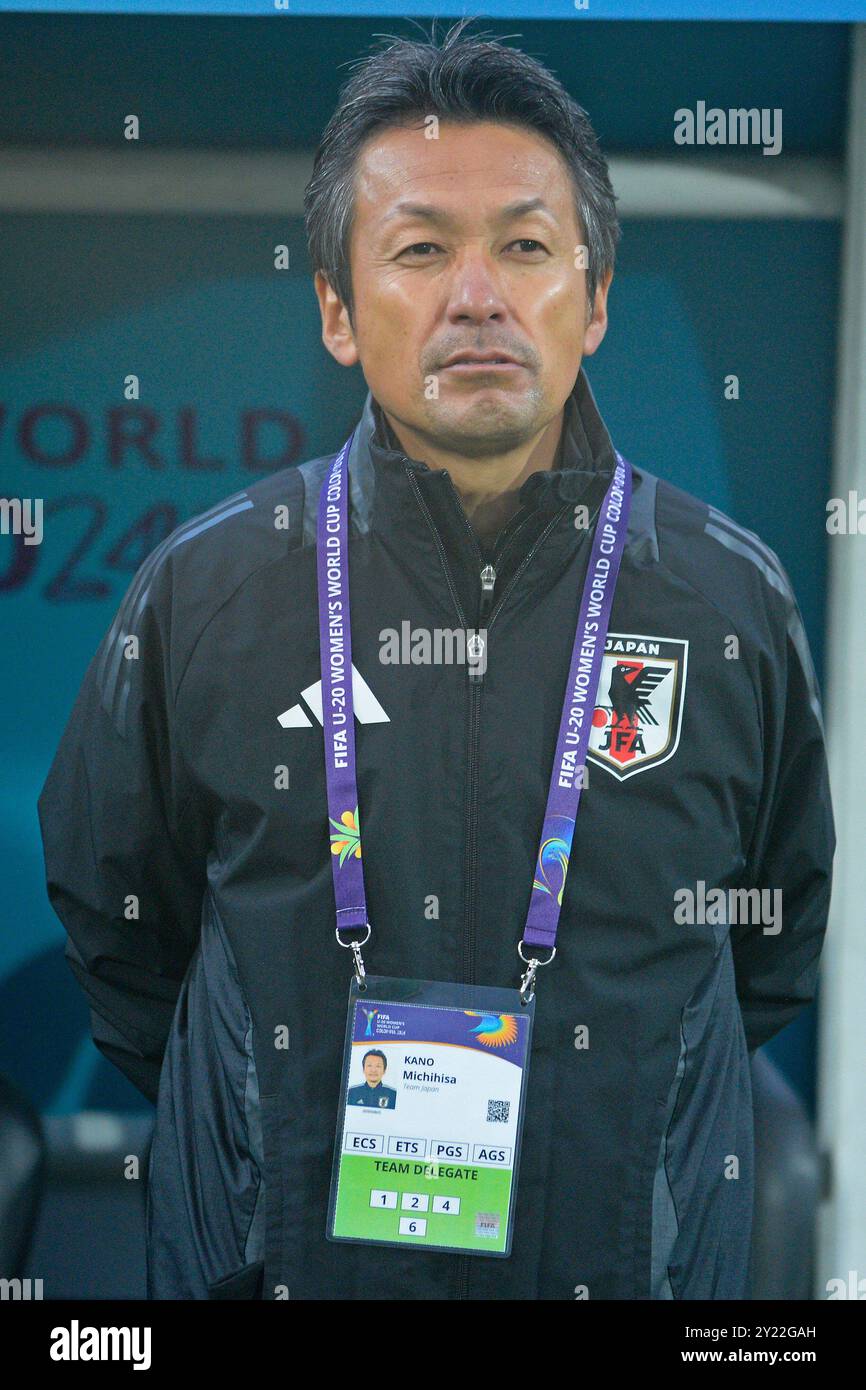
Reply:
x=475, y=292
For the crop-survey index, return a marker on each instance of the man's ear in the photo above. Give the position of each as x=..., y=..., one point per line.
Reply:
x=337, y=333
x=597, y=326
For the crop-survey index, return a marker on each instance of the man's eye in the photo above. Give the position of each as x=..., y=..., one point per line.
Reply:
x=422, y=248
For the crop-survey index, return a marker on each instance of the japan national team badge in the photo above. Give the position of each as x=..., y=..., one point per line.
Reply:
x=639, y=708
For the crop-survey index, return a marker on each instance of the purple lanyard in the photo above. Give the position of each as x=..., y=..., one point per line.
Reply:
x=566, y=779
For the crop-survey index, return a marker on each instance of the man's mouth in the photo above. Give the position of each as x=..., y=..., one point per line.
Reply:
x=480, y=361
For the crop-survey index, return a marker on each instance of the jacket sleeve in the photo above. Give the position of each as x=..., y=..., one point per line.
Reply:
x=792, y=844
x=124, y=835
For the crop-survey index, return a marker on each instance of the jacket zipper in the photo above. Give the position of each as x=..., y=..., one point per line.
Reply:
x=486, y=615
x=476, y=687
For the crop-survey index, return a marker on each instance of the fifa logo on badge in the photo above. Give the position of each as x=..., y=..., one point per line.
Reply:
x=370, y=1015
x=638, y=713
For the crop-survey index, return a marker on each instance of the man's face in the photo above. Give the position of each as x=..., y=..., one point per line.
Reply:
x=374, y=1069
x=446, y=255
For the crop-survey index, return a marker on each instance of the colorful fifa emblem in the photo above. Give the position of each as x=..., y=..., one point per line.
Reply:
x=639, y=707
x=346, y=835
x=552, y=863
x=494, y=1030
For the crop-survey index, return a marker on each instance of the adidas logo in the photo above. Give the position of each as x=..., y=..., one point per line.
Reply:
x=367, y=707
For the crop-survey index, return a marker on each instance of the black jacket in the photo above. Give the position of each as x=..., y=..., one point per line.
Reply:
x=195, y=885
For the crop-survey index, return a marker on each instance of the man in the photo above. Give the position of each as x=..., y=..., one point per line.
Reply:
x=371, y=1092
x=462, y=229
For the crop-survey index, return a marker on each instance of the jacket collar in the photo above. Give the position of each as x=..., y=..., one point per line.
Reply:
x=381, y=474
x=587, y=458
x=417, y=510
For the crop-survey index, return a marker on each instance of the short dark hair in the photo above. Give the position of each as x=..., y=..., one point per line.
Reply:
x=374, y=1052
x=467, y=79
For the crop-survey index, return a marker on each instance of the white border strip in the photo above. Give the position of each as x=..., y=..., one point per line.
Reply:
x=842, y=1074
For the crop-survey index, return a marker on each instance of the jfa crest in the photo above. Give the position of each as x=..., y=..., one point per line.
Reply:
x=637, y=716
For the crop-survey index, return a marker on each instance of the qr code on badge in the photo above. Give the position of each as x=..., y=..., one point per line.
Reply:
x=497, y=1111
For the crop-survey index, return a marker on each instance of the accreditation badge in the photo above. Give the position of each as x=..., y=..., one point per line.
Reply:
x=431, y=1116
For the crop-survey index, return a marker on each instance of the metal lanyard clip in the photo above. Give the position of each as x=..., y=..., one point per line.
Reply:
x=357, y=958
x=527, y=983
